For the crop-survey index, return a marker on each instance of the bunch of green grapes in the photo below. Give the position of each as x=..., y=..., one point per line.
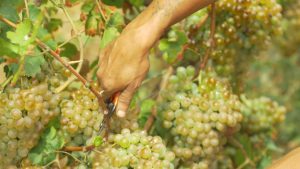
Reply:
x=261, y=114
x=198, y=113
x=133, y=150
x=259, y=126
x=130, y=121
x=80, y=117
x=24, y=112
x=290, y=40
x=244, y=27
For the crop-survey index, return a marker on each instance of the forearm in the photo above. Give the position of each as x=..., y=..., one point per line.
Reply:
x=161, y=14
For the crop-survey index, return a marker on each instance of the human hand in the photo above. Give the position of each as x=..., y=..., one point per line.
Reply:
x=289, y=161
x=123, y=65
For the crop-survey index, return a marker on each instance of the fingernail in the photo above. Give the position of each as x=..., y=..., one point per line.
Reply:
x=121, y=113
x=105, y=112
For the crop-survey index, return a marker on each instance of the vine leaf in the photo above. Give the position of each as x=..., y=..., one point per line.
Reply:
x=49, y=143
x=8, y=9
x=136, y=3
x=33, y=64
x=109, y=35
x=2, y=60
x=145, y=112
x=239, y=157
x=54, y=24
x=265, y=162
x=21, y=35
x=69, y=50
x=116, y=20
x=11, y=69
x=172, y=46
x=117, y=3
x=8, y=49
x=46, y=37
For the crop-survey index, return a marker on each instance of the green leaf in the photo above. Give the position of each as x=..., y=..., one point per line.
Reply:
x=56, y=143
x=146, y=109
x=2, y=60
x=239, y=157
x=35, y=158
x=87, y=7
x=49, y=143
x=109, y=35
x=8, y=10
x=54, y=123
x=11, y=69
x=265, y=162
x=272, y=146
x=172, y=46
x=21, y=35
x=115, y=20
x=46, y=37
x=51, y=133
x=98, y=141
x=8, y=49
x=69, y=50
x=117, y=3
x=136, y=3
x=33, y=65
x=53, y=24
x=190, y=55
x=34, y=12
x=170, y=50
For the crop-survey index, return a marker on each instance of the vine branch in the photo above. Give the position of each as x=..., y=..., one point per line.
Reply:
x=100, y=9
x=211, y=40
x=79, y=66
x=66, y=65
x=26, y=7
x=78, y=148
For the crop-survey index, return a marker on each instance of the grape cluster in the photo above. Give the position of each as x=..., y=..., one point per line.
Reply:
x=198, y=113
x=290, y=40
x=133, y=150
x=80, y=116
x=24, y=112
x=130, y=121
x=243, y=28
x=261, y=114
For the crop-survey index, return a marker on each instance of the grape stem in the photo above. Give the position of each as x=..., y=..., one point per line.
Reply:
x=79, y=66
x=6, y=82
x=20, y=68
x=99, y=6
x=78, y=148
x=211, y=39
x=66, y=65
x=162, y=86
x=26, y=7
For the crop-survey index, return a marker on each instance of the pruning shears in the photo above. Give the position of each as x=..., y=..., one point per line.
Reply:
x=111, y=105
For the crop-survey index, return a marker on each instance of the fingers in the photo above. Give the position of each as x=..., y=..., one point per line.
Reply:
x=124, y=100
x=127, y=94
